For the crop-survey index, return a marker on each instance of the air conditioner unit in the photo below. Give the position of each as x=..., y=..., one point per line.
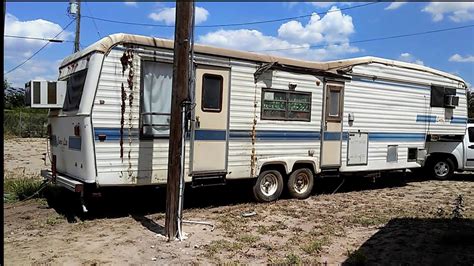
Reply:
x=45, y=94
x=451, y=101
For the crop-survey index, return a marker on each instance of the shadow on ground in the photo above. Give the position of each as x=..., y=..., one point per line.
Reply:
x=410, y=241
x=138, y=202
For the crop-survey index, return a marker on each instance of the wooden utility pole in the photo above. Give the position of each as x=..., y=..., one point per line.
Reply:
x=78, y=27
x=181, y=66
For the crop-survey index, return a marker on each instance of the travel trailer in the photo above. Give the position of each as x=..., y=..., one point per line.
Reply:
x=279, y=121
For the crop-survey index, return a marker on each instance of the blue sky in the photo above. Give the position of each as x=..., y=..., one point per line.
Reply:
x=332, y=33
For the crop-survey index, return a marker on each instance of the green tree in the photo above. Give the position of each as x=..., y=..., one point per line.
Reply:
x=12, y=100
x=470, y=104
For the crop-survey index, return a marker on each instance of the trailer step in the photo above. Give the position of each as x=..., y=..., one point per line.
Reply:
x=208, y=180
x=330, y=173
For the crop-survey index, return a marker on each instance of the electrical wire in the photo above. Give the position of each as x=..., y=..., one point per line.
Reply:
x=233, y=24
x=35, y=53
x=370, y=40
x=36, y=38
x=93, y=20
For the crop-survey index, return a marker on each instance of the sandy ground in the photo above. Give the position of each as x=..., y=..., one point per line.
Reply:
x=396, y=220
x=25, y=155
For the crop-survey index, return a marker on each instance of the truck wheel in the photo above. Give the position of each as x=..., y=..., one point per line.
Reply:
x=442, y=168
x=300, y=184
x=268, y=186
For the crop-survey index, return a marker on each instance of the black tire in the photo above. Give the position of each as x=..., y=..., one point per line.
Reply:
x=268, y=186
x=441, y=168
x=300, y=183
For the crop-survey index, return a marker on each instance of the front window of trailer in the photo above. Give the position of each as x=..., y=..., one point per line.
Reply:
x=75, y=87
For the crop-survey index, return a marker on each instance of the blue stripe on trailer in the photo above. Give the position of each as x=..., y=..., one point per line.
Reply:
x=459, y=120
x=383, y=136
x=204, y=134
x=426, y=118
x=114, y=133
x=275, y=135
x=210, y=134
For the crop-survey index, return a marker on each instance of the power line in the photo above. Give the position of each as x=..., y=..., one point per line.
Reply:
x=372, y=39
x=44, y=46
x=35, y=38
x=93, y=20
x=231, y=24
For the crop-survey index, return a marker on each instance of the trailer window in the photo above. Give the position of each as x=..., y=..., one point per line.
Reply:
x=74, y=89
x=156, y=84
x=438, y=95
x=471, y=134
x=333, y=103
x=286, y=105
x=211, y=93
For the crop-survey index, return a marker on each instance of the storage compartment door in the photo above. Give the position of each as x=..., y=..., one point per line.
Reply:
x=357, y=148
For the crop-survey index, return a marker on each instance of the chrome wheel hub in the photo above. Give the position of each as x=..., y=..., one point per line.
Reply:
x=441, y=169
x=269, y=184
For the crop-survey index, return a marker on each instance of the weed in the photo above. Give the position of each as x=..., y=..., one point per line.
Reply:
x=356, y=257
x=247, y=238
x=458, y=210
x=315, y=246
x=369, y=221
x=20, y=188
x=292, y=259
x=53, y=220
x=217, y=246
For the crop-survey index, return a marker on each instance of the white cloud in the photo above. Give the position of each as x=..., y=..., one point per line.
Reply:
x=130, y=3
x=39, y=28
x=461, y=59
x=456, y=11
x=395, y=5
x=34, y=69
x=167, y=15
x=407, y=57
x=333, y=27
x=331, y=32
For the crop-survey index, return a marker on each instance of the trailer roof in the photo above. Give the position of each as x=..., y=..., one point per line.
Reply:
x=105, y=44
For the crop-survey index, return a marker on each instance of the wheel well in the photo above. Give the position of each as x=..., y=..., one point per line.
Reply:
x=274, y=166
x=303, y=165
x=434, y=156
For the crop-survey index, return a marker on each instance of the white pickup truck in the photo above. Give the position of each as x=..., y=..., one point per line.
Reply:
x=448, y=155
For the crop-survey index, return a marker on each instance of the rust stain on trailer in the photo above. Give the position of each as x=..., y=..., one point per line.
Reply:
x=122, y=119
x=124, y=61
x=253, y=156
x=131, y=74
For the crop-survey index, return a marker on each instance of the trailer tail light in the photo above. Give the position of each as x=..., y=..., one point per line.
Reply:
x=53, y=168
x=77, y=130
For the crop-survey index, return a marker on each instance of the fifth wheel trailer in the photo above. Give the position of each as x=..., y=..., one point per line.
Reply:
x=276, y=120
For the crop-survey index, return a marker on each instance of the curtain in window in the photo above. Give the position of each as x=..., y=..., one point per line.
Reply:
x=156, y=98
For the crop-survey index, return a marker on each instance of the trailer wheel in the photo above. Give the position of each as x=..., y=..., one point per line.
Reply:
x=300, y=183
x=442, y=168
x=269, y=186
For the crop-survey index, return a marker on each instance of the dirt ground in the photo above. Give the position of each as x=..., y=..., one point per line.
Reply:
x=25, y=155
x=394, y=220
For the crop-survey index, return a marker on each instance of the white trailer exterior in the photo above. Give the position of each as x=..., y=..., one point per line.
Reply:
x=254, y=116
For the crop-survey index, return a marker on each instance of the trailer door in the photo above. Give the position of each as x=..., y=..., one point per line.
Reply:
x=469, y=145
x=210, y=134
x=331, y=133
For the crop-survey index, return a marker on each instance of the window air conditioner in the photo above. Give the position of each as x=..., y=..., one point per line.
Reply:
x=45, y=94
x=451, y=101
